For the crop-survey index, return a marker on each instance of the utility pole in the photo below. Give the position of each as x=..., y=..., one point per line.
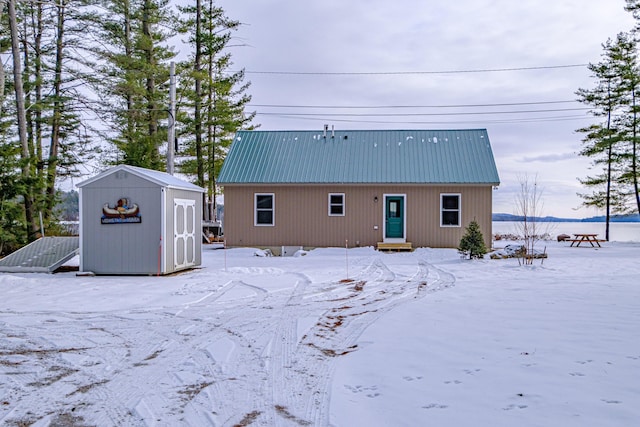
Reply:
x=171, y=128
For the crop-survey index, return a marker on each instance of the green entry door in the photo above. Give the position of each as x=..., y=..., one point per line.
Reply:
x=394, y=217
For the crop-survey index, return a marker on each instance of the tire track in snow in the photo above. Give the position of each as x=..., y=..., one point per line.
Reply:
x=198, y=362
x=300, y=371
x=343, y=325
x=281, y=356
x=118, y=382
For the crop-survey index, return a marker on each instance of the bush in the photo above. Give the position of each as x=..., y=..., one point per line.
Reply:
x=472, y=243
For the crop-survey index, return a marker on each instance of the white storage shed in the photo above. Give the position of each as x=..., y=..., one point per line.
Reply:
x=139, y=221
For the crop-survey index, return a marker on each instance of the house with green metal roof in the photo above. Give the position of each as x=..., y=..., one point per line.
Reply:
x=383, y=188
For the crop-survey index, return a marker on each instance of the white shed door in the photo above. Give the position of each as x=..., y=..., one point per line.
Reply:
x=184, y=240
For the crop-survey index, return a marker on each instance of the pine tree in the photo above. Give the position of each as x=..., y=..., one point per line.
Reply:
x=133, y=69
x=472, y=243
x=630, y=72
x=12, y=225
x=214, y=98
x=46, y=120
x=26, y=150
x=66, y=143
x=628, y=69
x=601, y=140
x=613, y=143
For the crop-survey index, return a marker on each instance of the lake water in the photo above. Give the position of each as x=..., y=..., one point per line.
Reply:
x=618, y=231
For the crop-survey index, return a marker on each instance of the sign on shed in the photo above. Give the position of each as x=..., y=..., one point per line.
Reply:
x=139, y=221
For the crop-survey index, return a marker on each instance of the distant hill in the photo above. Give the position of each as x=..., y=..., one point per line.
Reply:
x=615, y=218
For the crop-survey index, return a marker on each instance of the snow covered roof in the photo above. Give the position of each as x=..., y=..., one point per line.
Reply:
x=355, y=156
x=161, y=178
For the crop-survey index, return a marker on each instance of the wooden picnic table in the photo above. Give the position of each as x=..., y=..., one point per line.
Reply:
x=592, y=239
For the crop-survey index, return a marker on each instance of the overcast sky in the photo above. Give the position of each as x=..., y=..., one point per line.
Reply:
x=432, y=38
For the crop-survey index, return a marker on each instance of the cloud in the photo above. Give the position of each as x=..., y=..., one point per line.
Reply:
x=414, y=35
x=550, y=158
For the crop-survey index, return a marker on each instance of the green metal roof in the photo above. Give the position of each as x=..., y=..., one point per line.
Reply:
x=360, y=157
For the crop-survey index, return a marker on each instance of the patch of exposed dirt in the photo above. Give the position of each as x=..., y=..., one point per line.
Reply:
x=149, y=357
x=359, y=286
x=284, y=412
x=248, y=419
x=153, y=355
x=60, y=420
x=61, y=373
x=68, y=420
x=191, y=391
x=37, y=351
x=333, y=353
x=86, y=388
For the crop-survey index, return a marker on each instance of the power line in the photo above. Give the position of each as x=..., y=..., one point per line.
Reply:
x=507, y=104
x=423, y=114
x=452, y=122
x=384, y=73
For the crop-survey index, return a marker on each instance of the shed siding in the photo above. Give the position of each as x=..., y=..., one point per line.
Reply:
x=301, y=217
x=120, y=248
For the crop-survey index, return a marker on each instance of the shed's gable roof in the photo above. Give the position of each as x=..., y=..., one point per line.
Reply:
x=355, y=157
x=160, y=178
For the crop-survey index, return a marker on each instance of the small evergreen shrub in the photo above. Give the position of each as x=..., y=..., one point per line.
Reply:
x=472, y=243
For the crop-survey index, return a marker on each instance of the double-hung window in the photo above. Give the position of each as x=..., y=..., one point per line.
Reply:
x=450, y=210
x=336, y=204
x=264, y=209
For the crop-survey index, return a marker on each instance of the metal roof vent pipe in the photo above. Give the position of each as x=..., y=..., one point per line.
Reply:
x=333, y=132
x=326, y=128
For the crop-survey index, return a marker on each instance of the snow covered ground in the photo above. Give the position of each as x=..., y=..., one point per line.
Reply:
x=412, y=339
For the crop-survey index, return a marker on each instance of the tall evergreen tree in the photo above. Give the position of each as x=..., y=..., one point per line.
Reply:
x=601, y=138
x=65, y=143
x=627, y=67
x=11, y=216
x=2, y=50
x=55, y=143
x=633, y=74
x=26, y=157
x=12, y=230
x=214, y=96
x=132, y=64
x=613, y=142
x=121, y=49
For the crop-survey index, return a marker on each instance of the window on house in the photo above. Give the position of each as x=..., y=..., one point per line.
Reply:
x=336, y=204
x=450, y=210
x=264, y=208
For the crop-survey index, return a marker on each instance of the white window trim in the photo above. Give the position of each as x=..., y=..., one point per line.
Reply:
x=255, y=209
x=344, y=207
x=459, y=210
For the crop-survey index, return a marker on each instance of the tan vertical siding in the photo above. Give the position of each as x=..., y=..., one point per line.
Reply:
x=301, y=215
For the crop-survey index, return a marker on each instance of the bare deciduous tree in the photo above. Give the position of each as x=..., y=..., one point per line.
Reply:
x=529, y=206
